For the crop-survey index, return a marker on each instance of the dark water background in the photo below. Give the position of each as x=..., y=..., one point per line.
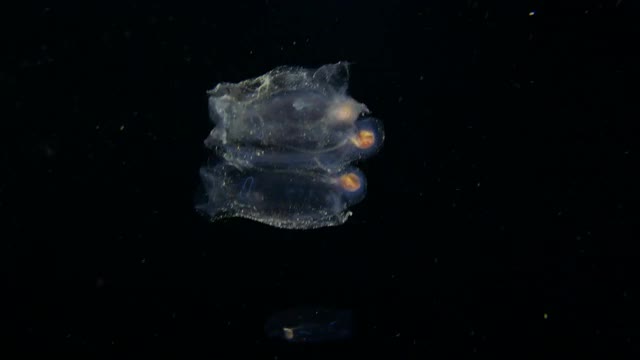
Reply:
x=501, y=215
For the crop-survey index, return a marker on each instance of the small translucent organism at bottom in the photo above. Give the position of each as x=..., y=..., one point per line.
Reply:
x=310, y=325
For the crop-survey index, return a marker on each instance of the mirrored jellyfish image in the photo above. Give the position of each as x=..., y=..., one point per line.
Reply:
x=285, y=143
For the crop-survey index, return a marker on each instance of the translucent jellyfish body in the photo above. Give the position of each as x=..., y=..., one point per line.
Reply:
x=285, y=141
x=292, y=117
x=285, y=199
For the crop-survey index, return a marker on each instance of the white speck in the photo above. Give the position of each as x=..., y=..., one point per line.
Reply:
x=531, y=13
x=121, y=127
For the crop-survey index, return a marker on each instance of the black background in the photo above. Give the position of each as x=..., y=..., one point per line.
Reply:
x=501, y=215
